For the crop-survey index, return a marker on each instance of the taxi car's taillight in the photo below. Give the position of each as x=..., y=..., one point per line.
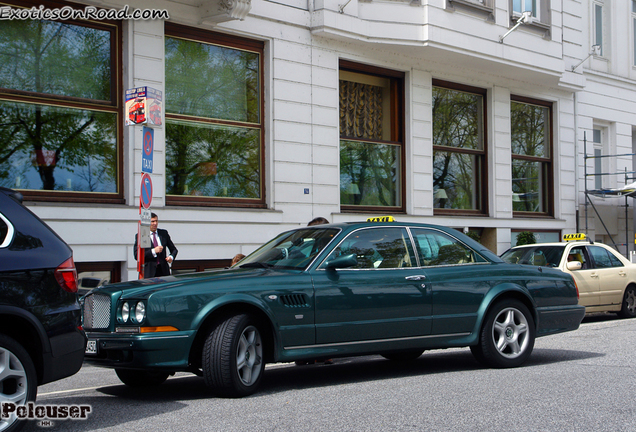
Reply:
x=66, y=275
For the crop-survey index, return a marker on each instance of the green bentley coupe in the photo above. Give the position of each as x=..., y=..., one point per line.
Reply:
x=326, y=291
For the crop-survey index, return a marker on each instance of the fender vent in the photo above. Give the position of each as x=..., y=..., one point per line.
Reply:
x=294, y=300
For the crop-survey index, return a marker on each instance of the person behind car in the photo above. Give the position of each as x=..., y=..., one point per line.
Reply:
x=237, y=258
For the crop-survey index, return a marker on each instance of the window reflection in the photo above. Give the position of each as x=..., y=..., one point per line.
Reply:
x=61, y=149
x=50, y=147
x=531, y=157
x=369, y=173
x=205, y=80
x=459, y=155
x=212, y=160
x=213, y=121
x=55, y=58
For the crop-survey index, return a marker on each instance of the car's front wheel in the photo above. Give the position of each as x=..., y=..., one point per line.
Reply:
x=507, y=336
x=628, y=309
x=233, y=360
x=139, y=378
x=18, y=380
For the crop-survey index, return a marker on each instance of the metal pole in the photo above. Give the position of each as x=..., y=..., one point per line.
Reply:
x=585, y=175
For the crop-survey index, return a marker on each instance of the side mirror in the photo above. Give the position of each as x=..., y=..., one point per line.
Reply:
x=574, y=265
x=342, y=262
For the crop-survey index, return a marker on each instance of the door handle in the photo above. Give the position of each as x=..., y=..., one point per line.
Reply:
x=622, y=273
x=594, y=275
x=415, y=278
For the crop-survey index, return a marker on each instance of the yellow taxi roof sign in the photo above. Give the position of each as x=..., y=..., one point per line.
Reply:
x=574, y=237
x=381, y=219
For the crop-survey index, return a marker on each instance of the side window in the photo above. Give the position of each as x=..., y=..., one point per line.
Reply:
x=579, y=254
x=615, y=261
x=435, y=248
x=382, y=247
x=601, y=257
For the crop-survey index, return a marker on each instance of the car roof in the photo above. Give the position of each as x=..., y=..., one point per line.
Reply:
x=348, y=227
x=575, y=243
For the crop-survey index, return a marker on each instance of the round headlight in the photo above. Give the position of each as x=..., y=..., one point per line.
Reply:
x=140, y=312
x=125, y=312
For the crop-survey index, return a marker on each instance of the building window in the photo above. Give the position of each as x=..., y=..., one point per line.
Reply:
x=531, y=141
x=521, y=6
x=371, y=138
x=598, y=26
x=597, y=141
x=214, y=119
x=459, y=149
x=60, y=96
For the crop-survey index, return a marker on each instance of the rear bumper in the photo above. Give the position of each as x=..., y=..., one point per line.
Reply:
x=165, y=351
x=66, y=356
x=559, y=319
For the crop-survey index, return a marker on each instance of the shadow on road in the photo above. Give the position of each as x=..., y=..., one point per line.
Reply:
x=169, y=397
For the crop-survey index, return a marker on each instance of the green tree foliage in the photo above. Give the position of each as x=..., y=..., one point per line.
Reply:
x=525, y=237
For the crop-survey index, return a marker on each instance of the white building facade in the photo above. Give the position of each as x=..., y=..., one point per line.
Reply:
x=278, y=112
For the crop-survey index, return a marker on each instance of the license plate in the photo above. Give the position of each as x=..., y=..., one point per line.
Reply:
x=91, y=347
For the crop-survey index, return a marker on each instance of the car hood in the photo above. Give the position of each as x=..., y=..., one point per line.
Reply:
x=230, y=277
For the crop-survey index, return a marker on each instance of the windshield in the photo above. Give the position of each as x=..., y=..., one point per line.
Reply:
x=544, y=256
x=293, y=250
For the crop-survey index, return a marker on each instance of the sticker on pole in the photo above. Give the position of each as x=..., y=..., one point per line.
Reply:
x=146, y=191
x=147, y=155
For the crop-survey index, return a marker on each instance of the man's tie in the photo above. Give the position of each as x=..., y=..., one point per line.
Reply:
x=154, y=242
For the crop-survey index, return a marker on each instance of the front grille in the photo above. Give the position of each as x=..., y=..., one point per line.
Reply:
x=96, y=312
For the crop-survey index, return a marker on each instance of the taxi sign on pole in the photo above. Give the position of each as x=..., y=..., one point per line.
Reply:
x=145, y=197
x=147, y=153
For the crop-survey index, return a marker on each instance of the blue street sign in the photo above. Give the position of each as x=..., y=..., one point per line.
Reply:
x=146, y=191
x=146, y=154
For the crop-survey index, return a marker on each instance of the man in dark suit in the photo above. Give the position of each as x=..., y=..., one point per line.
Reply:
x=155, y=258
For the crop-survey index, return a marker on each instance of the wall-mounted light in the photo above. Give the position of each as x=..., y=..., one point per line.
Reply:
x=596, y=50
x=525, y=18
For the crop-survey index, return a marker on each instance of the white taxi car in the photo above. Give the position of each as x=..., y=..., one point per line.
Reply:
x=606, y=280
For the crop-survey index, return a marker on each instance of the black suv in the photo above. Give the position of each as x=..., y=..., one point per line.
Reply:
x=41, y=339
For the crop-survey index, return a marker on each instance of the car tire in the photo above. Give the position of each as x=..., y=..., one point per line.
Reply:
x=628, y=309
x=18, y=379
x=139, y=378
x=403, y=355
x=233, y=361
x=507, y=336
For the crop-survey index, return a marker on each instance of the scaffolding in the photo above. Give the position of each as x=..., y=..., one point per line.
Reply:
x=614, y=193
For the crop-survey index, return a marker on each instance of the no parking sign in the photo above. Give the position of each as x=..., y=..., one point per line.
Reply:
x=145, y=197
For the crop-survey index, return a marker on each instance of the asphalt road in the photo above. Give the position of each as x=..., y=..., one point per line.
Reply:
x=577, y=381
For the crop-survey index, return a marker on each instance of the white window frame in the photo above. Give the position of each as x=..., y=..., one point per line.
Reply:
x=596, y=22
x=535, y=9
